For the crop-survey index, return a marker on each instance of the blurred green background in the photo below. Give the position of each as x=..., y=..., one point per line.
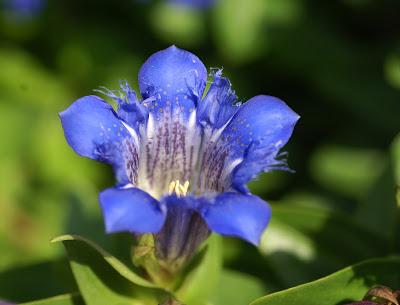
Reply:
x=336, y=63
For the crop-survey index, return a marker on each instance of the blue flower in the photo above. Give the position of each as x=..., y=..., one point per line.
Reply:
x=194, y=3
x=182, y=159
x=23, y=9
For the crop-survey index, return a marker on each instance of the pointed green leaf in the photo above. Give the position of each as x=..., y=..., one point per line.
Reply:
x=65, y=299
x=103, y=279
x=342, y=287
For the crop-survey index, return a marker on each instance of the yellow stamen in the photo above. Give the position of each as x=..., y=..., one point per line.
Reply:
x=179, y=189
x=171, y=188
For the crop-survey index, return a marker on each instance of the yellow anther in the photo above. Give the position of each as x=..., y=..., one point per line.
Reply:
x=178, y=188
x=184, y=188
x=171, y=188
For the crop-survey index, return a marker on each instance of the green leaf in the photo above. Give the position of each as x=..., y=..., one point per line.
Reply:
x=347, y=285
x=201, y=281
x=65, y=299
x=103, y=279
x=227, y=291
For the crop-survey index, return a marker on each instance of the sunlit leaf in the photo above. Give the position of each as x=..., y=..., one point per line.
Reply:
x=345, y=286
x=65, y=299
x=103, y=279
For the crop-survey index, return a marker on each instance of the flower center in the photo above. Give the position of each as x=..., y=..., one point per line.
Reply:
x=178, y=188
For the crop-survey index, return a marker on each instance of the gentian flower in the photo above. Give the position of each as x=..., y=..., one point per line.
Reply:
x=182, y=160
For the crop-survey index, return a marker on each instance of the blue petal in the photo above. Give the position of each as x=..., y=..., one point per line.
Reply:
x=234, y=214
x=131, y=210
x=257, y=132
x=93, y=130
x=172, y=79
x=220, y=103
x=130, y=109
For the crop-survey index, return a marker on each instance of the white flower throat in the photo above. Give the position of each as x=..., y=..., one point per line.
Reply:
x=171, y=153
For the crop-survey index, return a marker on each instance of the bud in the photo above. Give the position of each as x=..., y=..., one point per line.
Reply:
x=381, y=295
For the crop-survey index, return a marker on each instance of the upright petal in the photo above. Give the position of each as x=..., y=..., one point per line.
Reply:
x=235, y=214
x=220, y=103
x=131, y=210
x=172, y=80
x=130, y=109
x=257, y=132
x=93, y=130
